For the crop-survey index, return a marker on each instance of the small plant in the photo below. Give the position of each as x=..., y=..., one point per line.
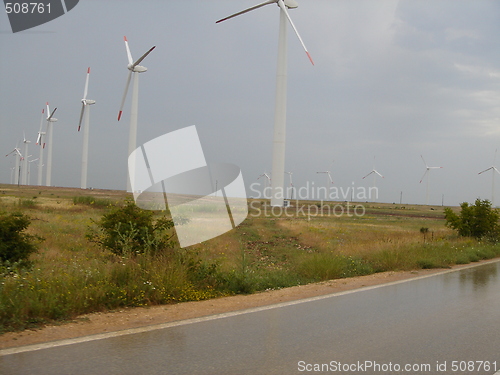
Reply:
x=478, y=220
x=16, y=245
x=91, y=201
x=131, y=230
x=424, y=231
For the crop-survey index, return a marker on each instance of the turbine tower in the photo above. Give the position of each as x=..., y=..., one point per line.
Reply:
x=85, y=112
x=134, y=68
x=278, y=166
x=40, y=141
x=493, y=169
x=50, y=121
x=428, y=173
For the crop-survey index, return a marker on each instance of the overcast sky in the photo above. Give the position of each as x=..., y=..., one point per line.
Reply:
x=392, y=80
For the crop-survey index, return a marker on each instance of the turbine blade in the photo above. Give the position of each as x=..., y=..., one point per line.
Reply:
x=86, y=84
x=486, y=170
x=38, y=138
x=248, y=10
x=124, y=95
x=495, y=169
x=283, y=8
x=367, y=175
x=143, y=57
x=423, y=176
x=129, y=55
x=379, y=174
x=426, y=166
x=81, y=116
x=52, y=114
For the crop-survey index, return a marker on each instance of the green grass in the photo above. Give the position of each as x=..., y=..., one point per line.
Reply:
x=72, y=276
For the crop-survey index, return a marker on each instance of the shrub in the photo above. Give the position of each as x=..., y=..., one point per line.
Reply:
x=131, y=230
x=477, y=220
x=16, y=245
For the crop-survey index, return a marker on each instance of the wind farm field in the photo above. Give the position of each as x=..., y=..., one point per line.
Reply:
x=308, y=242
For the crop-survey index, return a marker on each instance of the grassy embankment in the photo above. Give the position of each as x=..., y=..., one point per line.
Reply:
x=72, y=276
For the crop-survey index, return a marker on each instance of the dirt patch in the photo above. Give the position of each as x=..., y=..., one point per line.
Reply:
x=137, y=317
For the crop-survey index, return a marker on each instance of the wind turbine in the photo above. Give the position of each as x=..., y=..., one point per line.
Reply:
x=134, y=68
x=493, y=169
x=329, y=181
x=428, y=173
x=291, y=183
x=19, y=158
x=85, y=112
x=40, y=141
x=268, y=182
x=375, y=173
x=24, y=176
x=50, y=121
x=278, y=170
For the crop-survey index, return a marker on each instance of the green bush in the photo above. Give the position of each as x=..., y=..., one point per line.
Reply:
x=478, y=220
x=131, y=230
x=16, y=245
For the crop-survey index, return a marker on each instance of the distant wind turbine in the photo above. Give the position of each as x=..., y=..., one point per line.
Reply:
x=50, y=131
x=493, y=169
x=40, y=141
x=329, y=181
x=24, y=175
x=375, y=173
x=85, y=112
x=428, y=174
x=19, y=158
x=291, y=184
x=278, y=170
x=267, y=183
x=134, y=68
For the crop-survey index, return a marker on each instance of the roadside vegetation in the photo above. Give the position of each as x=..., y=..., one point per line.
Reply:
x=95, y=250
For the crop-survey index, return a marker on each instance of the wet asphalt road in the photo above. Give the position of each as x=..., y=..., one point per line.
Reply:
x=449, y=322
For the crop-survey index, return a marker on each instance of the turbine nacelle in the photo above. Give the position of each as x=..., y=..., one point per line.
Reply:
x=88, y=101
x=137, y=68
x=291, y=4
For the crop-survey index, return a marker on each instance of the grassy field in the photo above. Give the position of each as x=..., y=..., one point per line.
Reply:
x=308, y=242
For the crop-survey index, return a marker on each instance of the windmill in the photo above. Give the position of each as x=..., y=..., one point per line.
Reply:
x=375, y=173
x=134, y=68
x=17, y=168
x=40, y=141
x=24, y=168
x=428, y=174
x=267, y=183
x=291, y=184
x=329, y=181
x=85, y=112
x=493, y=169
x=49, y=130
x=277, y=198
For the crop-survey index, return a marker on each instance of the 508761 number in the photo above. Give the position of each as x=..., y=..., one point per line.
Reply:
x=24, y=8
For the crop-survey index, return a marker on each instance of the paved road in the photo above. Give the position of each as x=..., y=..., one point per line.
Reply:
x=416, y=327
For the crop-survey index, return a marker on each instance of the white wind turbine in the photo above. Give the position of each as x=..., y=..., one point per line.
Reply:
x=50, y=121
x=428, y=173
x=278, y=170
x=267, y=183
x=134, y=68
x=375, y=173
x=19, y=158
x=493, y=169
x=291, y=184
x=329, y=181
x=40, y=141
x=24, y=168
x=85, y=112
